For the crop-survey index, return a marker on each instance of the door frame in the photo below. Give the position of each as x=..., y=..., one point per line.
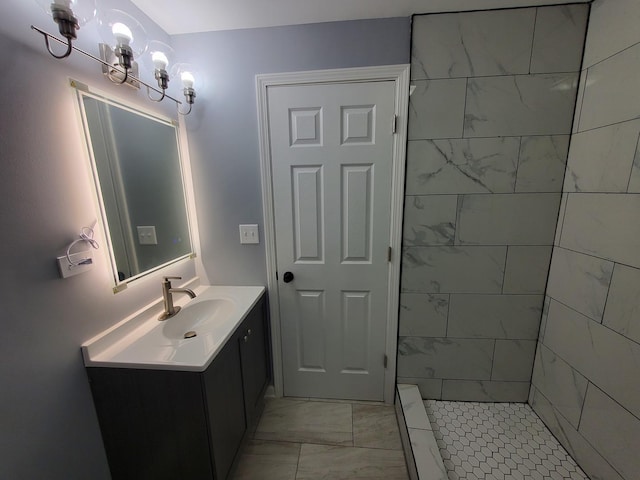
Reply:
x=400, y=75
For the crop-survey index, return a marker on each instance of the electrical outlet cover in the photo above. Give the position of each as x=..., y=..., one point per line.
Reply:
x=82, y=262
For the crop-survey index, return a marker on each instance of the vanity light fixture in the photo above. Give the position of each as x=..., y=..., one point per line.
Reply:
x=188, y=77
x=161, y=56
x=189, y=92
x=125, y=40
x=70, y=15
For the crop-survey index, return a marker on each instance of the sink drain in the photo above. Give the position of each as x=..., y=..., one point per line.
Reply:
x=190, y=334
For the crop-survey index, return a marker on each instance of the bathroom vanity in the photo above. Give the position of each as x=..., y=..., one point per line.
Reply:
x=172, y=407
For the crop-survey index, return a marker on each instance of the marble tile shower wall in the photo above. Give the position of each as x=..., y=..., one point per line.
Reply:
x=586, y=379
x=489, y=127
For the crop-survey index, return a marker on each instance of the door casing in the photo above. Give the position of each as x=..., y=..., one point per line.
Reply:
x=400, y=75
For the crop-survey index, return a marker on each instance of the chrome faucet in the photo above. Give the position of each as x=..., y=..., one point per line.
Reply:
x=167, y=296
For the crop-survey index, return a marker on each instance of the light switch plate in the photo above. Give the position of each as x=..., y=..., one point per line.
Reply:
x=147, y=235
x=249, y=234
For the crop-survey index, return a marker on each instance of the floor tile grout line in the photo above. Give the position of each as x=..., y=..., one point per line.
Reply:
x=353, y=439
x=298, y=462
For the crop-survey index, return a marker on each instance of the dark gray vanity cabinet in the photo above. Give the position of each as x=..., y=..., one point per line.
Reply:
x=255, y=372
x=224, y=398
x=167, y=424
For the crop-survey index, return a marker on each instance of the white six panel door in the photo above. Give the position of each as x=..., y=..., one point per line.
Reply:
x=331, y=154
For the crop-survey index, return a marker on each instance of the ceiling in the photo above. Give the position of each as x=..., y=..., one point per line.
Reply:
x=190, y=16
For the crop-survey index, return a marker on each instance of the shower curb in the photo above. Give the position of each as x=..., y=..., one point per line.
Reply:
x=421, y=451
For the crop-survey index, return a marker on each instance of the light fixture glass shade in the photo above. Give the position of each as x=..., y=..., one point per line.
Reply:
x=159, y=54
x=119, y=28
x=189, y=76
x=83, y=10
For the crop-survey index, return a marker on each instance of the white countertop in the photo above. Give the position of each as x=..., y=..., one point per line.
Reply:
x=139, y=341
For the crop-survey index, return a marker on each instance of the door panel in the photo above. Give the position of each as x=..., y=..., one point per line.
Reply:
x=356, y=213
x=356, y=321
x=310, y=327
x=331, y=154
x=307, y=213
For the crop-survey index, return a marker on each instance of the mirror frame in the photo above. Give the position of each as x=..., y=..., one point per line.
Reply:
x=82, y=90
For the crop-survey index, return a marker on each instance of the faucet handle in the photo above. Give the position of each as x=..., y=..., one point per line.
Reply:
x=166, y=279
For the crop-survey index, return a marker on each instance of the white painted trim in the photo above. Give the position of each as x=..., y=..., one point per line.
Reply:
x=400, y=75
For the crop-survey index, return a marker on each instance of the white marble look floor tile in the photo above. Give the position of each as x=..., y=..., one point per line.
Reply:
x=306, y=421
x=375, y=426
x=329, y=462
x=262, y=460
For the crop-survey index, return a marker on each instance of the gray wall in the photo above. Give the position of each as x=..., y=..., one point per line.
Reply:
x=48, y=426
x=489, y=127
x=585, y=380
x=223, y=130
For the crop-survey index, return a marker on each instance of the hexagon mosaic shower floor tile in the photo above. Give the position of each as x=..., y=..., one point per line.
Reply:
x=498, y=441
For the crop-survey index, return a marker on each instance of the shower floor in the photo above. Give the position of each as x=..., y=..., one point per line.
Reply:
x=496, y=441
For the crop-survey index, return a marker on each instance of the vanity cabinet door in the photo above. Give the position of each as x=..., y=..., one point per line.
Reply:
x=153, y=423
x=253, y=354
x=225, y=407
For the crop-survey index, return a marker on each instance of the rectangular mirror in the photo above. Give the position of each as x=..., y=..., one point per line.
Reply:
x=135, y=158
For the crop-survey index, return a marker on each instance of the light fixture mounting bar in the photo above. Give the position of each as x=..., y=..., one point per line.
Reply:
x=107, y=64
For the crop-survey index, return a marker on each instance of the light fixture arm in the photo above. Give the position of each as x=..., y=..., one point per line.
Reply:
x=54, y=55
x=154, y=99
x=67, y=26
x=187, y=112
x=124, y=79
x=48, y=37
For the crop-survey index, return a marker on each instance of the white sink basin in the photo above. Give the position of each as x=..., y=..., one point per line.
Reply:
x=141, y=341
x=200, y=317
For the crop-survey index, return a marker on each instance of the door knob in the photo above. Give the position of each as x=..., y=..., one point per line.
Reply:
x=287, y=277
